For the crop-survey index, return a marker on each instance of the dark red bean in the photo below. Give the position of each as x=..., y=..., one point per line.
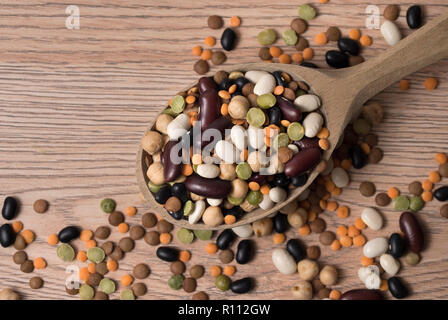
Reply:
x=207, y=83
x=258, y=178
x=209, y=103
x=289, y=111
x=210, y=188
x=306, y=143
x=362, y=294
x=302, y=161
x=172, y=168
x=220, y=124
x=412, y=231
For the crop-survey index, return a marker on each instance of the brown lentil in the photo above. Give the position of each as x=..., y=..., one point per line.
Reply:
x=189, y=284
x=301, y=44
x=264, y=53
x=313, y=252
x=137, y=232
x=115, y=218
x=19, y=243
x=218, y=58
x=415, y=188
x=197, y=271
x=317, y=285
x=201, y=295
x=102, y=232
x=164, y=226
x=141, y=271
x=27, y=266
x=108, y=247
x=326, y=238
x=215, y=22
x=220, y=76
x=323, y=293
x=382, y=199
x=375, y=155
x=201, y=67
x=173, y=204
x=117, y=254
x=101, y=268
x=367, y=188
x=298, y=25
x=289, y=94
x=226, y=256
x=139, y=289
x=152, y=238
x=373, y=113
x=177, y=267
x=36, y=283
x=94, y=279
x=149, y=220
x=318, y=225
x=126, y=244
x=248, y=89
x=40, y=206
x=73, y=291
x=333, y=33
x=371, y=139
x=443, y=170
x=100, y=295
x=391, y=12
x=19, y=257
x=355, y=60
x=444, y=211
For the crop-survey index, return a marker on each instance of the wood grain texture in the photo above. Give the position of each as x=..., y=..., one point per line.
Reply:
x=74, y=104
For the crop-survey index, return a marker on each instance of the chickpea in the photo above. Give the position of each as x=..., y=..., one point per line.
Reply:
x=227, y=171
x=155, y=173
x=290, y=207
x=239, y=189
x=238, y=107
x=163, y=120
x=263, y=227
x=308, y=269
x=227, y=205
x=157, y=157
x=213, y=216
x=256, y=160
x=152, y=142
x=328, y=275
x=298, y=218
x=247, y=207
x=302, y=291
x=8, y=294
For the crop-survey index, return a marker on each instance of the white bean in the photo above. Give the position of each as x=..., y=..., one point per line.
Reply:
x=266, y=203
x=178, y=127
x=375, y=247
x=239, y=137
x=340, y=177
x=196, y=215
x=244, y=231
x=372, y=218
x=214, y=202
x=294, y=148
x=208, y=170
x=265, y=84
x=277, y=194
x=312, y=124
x=307, y=102
x=364, y=272
x=226, y=151
x=255, y=75
x=373, y=281
x=389, y=264
x=283, y=261
x=256, y=137
x=390, y=32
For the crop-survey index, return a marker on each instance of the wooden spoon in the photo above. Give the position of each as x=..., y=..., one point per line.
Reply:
x=343, y=92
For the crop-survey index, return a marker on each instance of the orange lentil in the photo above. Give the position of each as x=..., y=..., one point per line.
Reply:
x=321, y=39
x=265, y=189
x=196, y=159
x=84, y=274
x=184, y=256
x=17, y=226
x=197, y=51
x=210, y=41
x=211, y=248
x=359, y=224
x=275, y=51
x=284, y=58
x=393, y=193
x=354, y=34
x=233, y=88
x=384, y=285
x=40, y=263
x=353, y=231
x=342, y=231
x=130, y=211
x=229, y=270
x=81, y=256
x=284, y=123
x=206, y=54
x=297, y=57
x=365, y=147
x=441, y=158
x=404, y=84
x=323, y=204
x=312, y=215
x=334, y=294
x=324, y=144
x=123, y=227
x=112, y=265
x=86, y=235
x=235, y=21
x=127, y=280
x=304, y=230
x=366, y=41
x=346, y=241
x=326, y=196
x=434, y=176
x=254, y=186
x=329, y=185
x=187, y=170
x=367, y=261
x=335, y=245
x=53, y=239
x=165, y=238
x=278, y=90
x=244, y=154
x=28, y=235
x=359, y=240
x=190, y=99
x=229, y=219
x=91, y=244
x=278, y=238
x=427, y=185
x=308, y=54
x=337, y=191
x=324, y=1
x=268, y=61
x=323, y=133
x=346, y=164
x=215, y=271
x=225, y=109
x=193, y=119
x=332, y=205
x=91, y=267
x=427, y=196
x=342, y=212
x=431, y=83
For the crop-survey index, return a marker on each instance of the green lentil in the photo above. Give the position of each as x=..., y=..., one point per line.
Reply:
x=401, y=203
x=108, y=205
x=295, y=131
x=243, y=170
x=96, y=254
x=107, y=286
x=235, y=201
x=290, y=37
x=66, y=252
x=185, y=236
x=169, y=111
x=86, y=292
x=300, y=92
x=416, y=203
x=254, y=197
x=222, y=282
x=267, y=37
x=255, y=117
x=127, y=294
x=203, y=234
x=266, y=101
x=362, y=126
x=188, y=208
x=154, y=188
x=178, y=104
x=176, y=281
x=307, y=12
x=281, y=140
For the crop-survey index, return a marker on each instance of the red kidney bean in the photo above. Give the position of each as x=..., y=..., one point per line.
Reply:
x=289, y=111
x=210, y=188
x=306, y=143
x=258, y=178
x=302, y=161
x=412, y=231
x=171, y=170
x=220, y=124
x=206, y=83
x=209, y=103
x=362, y=294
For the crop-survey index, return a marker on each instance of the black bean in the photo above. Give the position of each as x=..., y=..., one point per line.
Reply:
x=397, y=245
x=68, y=234
x=302, y=162
x=240, y=82
x=357, y=157
x=171, y=169
x=309, y=65
x=234, y=211
x=281, y=180
x=347, y=45
x=412, y=231
x=9, y=210
x=441, y=193
x=414, y=17
x=162, y=195
x=225, y=239
x=362, y=294
x=275, y=115
x=245, y=251
x=210, y=188
x=397, y=288
x=258, y=178
x=7, y=235
x=206, y=83
x=243, y=285
x=168, y=254
x=296, y=249
x=281, y=223
x=228, y=39
x=279, y=78
x=299, y=180
x=289, y=111
x=336, y=59
x=179, y=190
x=225, y=84
x=178, y=215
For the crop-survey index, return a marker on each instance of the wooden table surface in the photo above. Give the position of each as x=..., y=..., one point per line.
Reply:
x=74, y=105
